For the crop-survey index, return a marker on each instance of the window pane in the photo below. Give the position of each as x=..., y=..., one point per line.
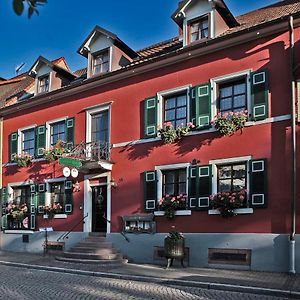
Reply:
x=181, y=100
x=169, y=189
x=239, y=184
x=240, y=89
x=225, y=104
x=225, y=92
x=225, y=172
x=181, y=113
x=239, y=171
x=182, y=188
x=225, y=185
x=169, y=178
x=239, y=101
x=170, y=115
x=170, y=103
x=180, y=123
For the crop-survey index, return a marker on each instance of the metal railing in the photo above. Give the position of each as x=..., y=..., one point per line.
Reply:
x=65, y=235
x=122, y=233
x=94, y=151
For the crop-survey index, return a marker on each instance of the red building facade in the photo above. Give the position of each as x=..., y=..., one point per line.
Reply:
x=110, y=123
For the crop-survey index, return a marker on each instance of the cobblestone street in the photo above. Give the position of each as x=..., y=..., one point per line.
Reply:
x=19, y=283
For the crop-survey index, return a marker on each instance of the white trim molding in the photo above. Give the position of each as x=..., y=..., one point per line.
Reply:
x=87, y=205
x=161, y=213
x=238, y=211
x=162, y=94
x=159, y=175
x=229, y=77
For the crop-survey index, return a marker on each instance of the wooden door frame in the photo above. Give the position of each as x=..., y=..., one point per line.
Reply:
x=87, y=208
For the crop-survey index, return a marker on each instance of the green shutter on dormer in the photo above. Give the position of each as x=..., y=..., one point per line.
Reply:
x=150, y=117
x=70, y=132
x=203, y=105
x=40, y=140
x=13, y=145
x=259, y=95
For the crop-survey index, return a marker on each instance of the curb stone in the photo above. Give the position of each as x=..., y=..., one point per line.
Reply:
x=177, y=282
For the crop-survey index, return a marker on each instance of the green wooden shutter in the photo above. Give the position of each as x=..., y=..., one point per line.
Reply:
x=40, y=140
x=150, y=117
x=150, y=190
x=70, y=132
x=203, y=105
x=13, y=143
x=258, y=183
x=193, y=105
x=200, y=182
x=68, y=201
x=40, y=197
x=33, y=205
x=193, y=188
x=259, y=95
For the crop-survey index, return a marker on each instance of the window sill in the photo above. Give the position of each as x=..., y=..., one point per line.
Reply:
x=17, y=231
x=177, y=213
x=238, y=211
x=57, y=216
x=10, y=164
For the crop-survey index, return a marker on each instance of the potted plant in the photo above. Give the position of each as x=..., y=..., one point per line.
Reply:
x=174, y=246
x=56, y=151
x=172, y=203
x=227, y=202
x=170, y=135
x=229, y=123
x=23, y=159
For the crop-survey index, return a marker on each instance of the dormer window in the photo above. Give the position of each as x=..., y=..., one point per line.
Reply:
x=101, y=62
x=199, y=29
x=43, y=84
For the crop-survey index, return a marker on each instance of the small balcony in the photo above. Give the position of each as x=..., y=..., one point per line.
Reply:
x=93, y=155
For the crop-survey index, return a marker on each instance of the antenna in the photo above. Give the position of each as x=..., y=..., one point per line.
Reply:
x=19, y=68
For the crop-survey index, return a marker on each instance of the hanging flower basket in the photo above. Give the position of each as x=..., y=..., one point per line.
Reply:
x=170, y=135
x=172, y=203
x=229, y=123
x=227, y=202
x=23, y=159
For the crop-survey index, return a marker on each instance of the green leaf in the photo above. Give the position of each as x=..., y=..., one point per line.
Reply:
x=18, y=6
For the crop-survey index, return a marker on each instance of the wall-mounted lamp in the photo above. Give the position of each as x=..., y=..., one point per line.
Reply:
x=113, y=183
x=80, y=207
x=195, y=162
x=76, y=187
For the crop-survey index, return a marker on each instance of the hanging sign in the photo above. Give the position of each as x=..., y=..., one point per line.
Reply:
x=74, y=173
x=66, y=161
x=66, y=172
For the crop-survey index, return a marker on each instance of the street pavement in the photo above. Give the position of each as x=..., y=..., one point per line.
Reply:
x=139, y=281
x=29, y=284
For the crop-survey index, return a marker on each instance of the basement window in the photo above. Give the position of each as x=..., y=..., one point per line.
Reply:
x=229, y=256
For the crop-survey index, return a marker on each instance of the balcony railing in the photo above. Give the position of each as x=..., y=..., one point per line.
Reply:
x=94, y=151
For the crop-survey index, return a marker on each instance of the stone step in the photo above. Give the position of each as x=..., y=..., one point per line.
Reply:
x=95, y=238
x=93, y=250
x=90, y=244
x=97, y=234
x=110, y=263
x=93, y=256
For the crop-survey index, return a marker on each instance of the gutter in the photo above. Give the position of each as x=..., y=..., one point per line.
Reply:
x=292, y=241
x=169, y=59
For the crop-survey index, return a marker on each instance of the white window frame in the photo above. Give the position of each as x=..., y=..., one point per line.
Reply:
x=228, y=161
x=93, y=111
x=48, y=188
x=160, y=97
x=215, y=82
x=39, y=81
x=48, y=129
x=20, y=136
x=159, y=174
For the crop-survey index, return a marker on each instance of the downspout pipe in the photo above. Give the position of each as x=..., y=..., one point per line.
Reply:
x=292, y=241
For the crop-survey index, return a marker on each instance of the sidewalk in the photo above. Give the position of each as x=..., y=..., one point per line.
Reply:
x=275, y=284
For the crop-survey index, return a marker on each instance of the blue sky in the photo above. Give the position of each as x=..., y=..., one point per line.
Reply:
x=63, y=25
